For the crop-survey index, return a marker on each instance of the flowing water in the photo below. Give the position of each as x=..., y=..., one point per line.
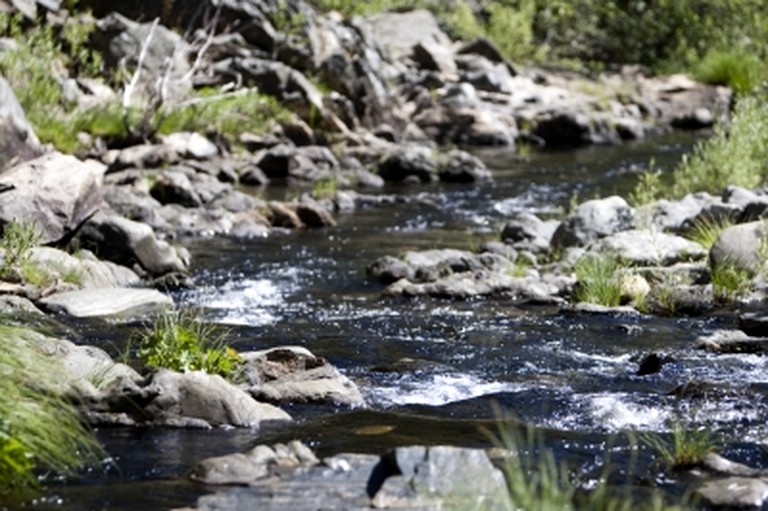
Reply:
x=436, y=371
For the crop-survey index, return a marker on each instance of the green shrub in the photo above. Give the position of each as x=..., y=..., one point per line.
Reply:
x=599, y=280
x=181, y=341
x=740, y=70
x=648, y=188
x=16, y=243
x=735, y=155
x=39, y=429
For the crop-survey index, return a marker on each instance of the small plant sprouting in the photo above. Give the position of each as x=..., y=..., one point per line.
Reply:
x=325, y=188
x=181, y=341
x=16, y=243
x=684, y=449
x=648, y=187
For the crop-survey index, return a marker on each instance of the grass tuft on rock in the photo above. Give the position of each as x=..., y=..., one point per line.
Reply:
x=16, y=244
x=705, y=230
x=40, y=431
x=683, y=448
x=182, y=341
x=599, y=280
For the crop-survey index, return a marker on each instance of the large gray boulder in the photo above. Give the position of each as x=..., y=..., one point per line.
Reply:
x=84, y=271
x=106, y=302
x=742, y=245
x=593, y=220
x=131, y=244
x=649, y=247
x=18, y=142
x=399, y=33
x=56, y=192
x=199, y=398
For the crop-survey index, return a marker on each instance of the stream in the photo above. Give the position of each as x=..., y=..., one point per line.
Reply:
x=436, y=371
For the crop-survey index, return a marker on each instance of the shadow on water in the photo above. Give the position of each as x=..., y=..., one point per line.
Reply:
x=434, y=371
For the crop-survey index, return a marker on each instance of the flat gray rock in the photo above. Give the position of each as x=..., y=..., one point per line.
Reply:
x=88, y=303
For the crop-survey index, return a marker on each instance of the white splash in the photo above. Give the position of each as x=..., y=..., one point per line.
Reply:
x=439, y=389
x=252, y=302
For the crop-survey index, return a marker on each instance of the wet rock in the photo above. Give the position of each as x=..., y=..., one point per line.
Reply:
x=314, y=215
x=563, y=129
x=685, y=103
x=340, y=482
x=294, y=374
x=130, y=243
x=652, y=364
x=175, y=188
x=461, y=167
x=12, y=304
x=649, y=247
x=466, y=285
x=754, y=323
x=258, y=463
x=734, y=493
x=739, y=245
x=408, y=162
x=593, y=220
x=680, y=299
x=57, y=192
x=389, y=269
x=526, y=231
x=205, y=399
x=732, y=341
x=18, y=142
x=440, y=476
x=434, y=57
x=713, y=462
x=253, y=175
x=281, y=215
x=105, y=302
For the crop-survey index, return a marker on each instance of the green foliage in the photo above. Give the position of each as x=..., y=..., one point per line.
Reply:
x=599, y=280
x=325, y=188
x=735, y=155
x=34, y=67
x=706, y=229
x=741, y=71
x=226, y=114
x=648, y=188
x=684, y=448
x=729, y=281
x=39, y=429
x=181, y=341
x=16, y=243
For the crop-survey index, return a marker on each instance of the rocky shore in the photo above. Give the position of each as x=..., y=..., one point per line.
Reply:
x=374, y=106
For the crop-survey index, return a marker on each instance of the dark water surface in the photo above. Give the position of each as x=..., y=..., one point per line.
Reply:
x=572, y=376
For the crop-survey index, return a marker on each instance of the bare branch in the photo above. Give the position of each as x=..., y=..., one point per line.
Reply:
x=129, y=89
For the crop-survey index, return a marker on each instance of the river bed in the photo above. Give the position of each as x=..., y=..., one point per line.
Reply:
x=436, y=371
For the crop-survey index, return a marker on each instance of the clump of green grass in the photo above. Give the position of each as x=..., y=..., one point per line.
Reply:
x=741, y=70
x=684, y=448
x=706, y=229
x=735, y=155
x=182, y=341
x=730, y=281
x=16, y=243
x=227, y=114
x=39, y=429
x=599, y=280
x=325, y=188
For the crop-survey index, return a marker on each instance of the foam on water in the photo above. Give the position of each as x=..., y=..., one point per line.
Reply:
x=437, y=390
x=253, y=302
